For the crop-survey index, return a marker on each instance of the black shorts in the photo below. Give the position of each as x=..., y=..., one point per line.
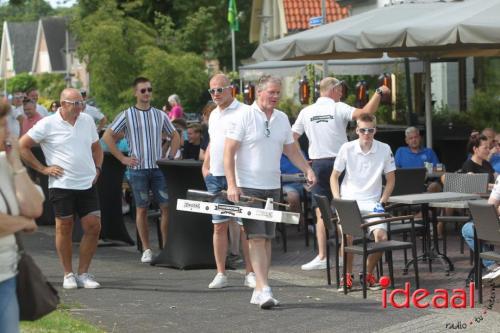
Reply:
x=69, y=202
x=257, y=228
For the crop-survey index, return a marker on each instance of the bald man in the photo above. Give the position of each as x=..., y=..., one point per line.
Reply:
x=74, y=158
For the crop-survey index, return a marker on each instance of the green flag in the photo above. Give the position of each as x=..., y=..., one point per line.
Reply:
x=232, y=16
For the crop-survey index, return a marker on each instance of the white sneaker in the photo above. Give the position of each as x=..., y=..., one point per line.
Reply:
x=250, y=280
x=266, y=300
x=87, y=281
x=316, y=263
x=70, y=281
x=492, y=275
x=256, y=296
x=219, y=281
x=147, y=256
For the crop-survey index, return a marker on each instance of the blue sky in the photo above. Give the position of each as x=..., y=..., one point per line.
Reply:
x=61, y=3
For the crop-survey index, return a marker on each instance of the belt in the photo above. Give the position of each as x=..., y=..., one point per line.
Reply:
x=323, y=159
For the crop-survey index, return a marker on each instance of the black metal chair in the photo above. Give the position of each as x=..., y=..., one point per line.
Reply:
x=355, y=225
x=486, y=230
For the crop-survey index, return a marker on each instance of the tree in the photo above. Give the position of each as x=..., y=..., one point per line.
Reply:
x=21, y=82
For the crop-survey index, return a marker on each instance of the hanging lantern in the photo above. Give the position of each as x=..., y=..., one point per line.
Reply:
x=385, y=80
x=361, y=94
x=249, y=93
x=235, y=88
x=304, y=91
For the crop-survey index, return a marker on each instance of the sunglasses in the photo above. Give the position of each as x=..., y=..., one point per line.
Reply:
x=217, y=90
x=143, y=90
x=366, y=130
x=75, y=103
x=267, y=131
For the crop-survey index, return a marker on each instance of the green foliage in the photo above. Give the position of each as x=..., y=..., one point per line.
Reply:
x=21, y=82
x=289, y=106
x=50, y=85
x=442, y=115
x=181, y=74
x=485, y=109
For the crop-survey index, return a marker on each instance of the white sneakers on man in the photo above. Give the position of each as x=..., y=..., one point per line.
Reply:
x=87, y=281
x=147, y=256
x=494, y=273
x=219, y=281
x=264, y=299
x=70, y=281
x=250, y=281
x=316, y=263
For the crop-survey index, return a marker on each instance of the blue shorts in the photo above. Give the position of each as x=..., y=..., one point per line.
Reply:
x=144, y=180
x=216, y=184
x=323, y=170
x=294, y=187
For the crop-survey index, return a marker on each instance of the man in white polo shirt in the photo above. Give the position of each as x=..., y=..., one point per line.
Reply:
x=99, y=117
x=74, y=159
x=364, y=161
x=254, y=143
x=324, y=123
x=215, y=180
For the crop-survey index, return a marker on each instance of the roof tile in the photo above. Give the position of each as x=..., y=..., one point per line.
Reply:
x=298, y=12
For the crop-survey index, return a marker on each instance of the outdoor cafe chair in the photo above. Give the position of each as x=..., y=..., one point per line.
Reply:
x=354, y=224
x=486, y=230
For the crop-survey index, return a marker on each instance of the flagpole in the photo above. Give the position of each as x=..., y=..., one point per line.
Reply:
x=233, y=48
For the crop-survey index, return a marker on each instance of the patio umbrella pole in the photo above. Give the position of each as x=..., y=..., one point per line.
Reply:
x=428, y=105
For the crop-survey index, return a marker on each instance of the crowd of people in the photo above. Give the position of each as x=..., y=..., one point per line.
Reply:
x=244, y=148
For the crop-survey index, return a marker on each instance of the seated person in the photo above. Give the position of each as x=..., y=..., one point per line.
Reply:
x=292, y=192
x=479, y=148
x=492, y=268
x=495, y=155
x=192, y=145
x=414, y=155
x=364, y=160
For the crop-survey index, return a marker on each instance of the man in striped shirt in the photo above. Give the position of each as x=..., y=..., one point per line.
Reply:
x=143, y=125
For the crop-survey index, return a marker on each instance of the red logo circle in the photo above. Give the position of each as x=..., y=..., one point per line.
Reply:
x=384, y=281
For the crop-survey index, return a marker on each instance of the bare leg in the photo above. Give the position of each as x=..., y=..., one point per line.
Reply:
x=91, y=225
x=244, y=248
x=164, y=223
x=372, y=260
x=320, y=235
x=141, y=220
x=258, y=256
x=220, y=245
x=64, y=232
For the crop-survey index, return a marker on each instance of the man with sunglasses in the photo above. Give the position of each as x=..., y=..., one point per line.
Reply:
x=74, y=158
x=254, y=143
x=364, y=161
x=215, y=179
x=143, y=126
x=324, y=124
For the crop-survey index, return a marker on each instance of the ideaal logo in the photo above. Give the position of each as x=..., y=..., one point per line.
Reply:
x=228, y=209
x=460, y=299
x=191, y=205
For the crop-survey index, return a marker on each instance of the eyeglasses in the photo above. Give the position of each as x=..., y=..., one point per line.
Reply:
x=217, y=90
x=143, y=90
x=75, y=103
x=367, y=130
x=267, y=131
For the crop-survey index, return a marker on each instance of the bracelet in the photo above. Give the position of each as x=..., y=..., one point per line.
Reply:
x=19, y=171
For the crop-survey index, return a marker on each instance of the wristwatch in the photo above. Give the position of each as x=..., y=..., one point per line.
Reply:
x=379, y=91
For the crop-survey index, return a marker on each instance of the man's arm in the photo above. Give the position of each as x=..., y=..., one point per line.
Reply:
x=390, y=178
x=334, y=184
x=293, y=153
x=230, y=148
x=110, y=138
x=97, y=156
x=175, y=143
x=372, y=104
x=102, y=123
x=205, y=168
x=25, y=145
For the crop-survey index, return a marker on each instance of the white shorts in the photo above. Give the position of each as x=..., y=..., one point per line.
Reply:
x=366, y=207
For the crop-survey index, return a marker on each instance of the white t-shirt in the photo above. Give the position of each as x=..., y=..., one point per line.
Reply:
x=495, y=193
x=324, y=123
x=363, y=177
x=94, y=112
x=12, y=121
x=258, y=158
x=42, y=110
x=68, y=147
x=217, y=124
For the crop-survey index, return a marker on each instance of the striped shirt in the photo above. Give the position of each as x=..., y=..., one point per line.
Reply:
x=143, y=130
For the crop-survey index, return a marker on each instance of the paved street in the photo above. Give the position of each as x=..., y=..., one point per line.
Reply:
x=140, y=298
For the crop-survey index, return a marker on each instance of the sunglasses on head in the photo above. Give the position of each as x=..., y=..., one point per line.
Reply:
x=143, y=90
x=367, y=130
x=217, y=90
